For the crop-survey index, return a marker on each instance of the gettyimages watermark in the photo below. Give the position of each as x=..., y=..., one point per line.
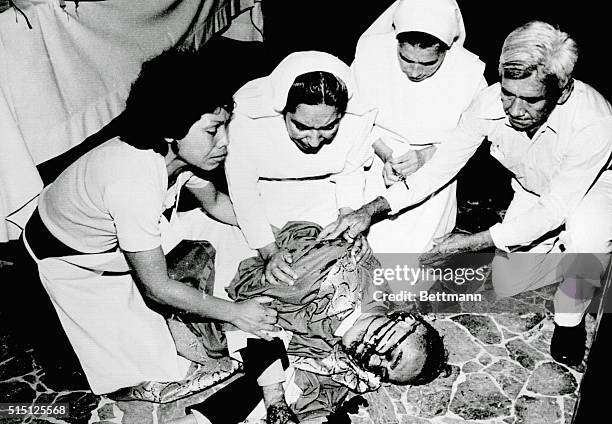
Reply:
x=561, y=282
x=421, y=276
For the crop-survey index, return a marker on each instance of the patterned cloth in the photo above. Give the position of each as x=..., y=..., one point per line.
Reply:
x=329, y=287
x=200, y=377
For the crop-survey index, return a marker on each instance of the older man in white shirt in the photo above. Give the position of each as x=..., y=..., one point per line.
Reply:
x=554, y=134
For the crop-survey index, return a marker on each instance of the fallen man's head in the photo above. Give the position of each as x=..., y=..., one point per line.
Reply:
x=401, y=347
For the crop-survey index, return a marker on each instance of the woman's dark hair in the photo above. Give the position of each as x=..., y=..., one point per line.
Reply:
x=421, y=39
x=315, y=88
x=172, y=92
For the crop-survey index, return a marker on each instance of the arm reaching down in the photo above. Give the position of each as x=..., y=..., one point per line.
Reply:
x=350, y=183
x=216, y=204
x=353, y=224
x=150, y=272
x=242, y=178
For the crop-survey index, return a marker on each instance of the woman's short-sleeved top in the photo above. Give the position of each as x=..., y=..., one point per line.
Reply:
x=113, y=195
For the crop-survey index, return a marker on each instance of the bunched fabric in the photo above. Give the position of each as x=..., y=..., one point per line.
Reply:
x=329, y=287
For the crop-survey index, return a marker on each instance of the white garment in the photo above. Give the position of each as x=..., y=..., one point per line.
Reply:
x=119, y=341
x=587, y=229
x=348, y=322
x=69, y=75
x=559, y=163
x=113, y=194
x=270, y=180
x=412, y=115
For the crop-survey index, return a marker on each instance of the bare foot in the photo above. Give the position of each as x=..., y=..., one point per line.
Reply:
x=278, y=412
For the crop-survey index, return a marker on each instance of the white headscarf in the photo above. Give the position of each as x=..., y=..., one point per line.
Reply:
x=417, y=111
x=440, y=18
x=267, y=96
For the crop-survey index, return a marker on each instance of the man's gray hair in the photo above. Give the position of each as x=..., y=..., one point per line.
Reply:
x=539, y=47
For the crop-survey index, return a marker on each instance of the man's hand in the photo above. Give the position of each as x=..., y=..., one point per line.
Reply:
x=254, y=317
x=453, y=243
x=278, y=269
x=351, y=225
x=444, y=249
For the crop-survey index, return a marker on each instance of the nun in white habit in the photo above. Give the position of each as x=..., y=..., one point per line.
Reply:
x=411, y=66
x=298, y=147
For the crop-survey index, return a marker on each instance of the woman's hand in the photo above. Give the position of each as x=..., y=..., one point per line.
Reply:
x=254, y=317
x=411, y=161
x=278, y=269
x=460, y=241
x=385, y=153
x=451, y=243
x=151, y=275
x=390, y=175
x=277, y=265
x=360, y=249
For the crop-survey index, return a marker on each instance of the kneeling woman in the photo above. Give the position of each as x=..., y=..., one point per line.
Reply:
x=99, y=234
x=299, y=144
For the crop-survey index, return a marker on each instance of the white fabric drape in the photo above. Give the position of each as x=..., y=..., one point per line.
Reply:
x=69, y=75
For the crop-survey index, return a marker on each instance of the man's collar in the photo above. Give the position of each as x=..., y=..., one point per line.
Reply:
x=554, y=119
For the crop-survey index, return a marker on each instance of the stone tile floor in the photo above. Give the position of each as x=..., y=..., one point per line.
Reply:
x=502, y=373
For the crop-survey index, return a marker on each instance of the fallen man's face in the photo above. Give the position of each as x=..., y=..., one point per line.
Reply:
x=390, y=346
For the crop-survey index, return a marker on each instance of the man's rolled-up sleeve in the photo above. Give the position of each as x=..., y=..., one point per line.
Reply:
x=588, y=156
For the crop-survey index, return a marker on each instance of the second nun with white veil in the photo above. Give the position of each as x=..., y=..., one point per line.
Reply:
x=298, y=146
x=420, y=91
